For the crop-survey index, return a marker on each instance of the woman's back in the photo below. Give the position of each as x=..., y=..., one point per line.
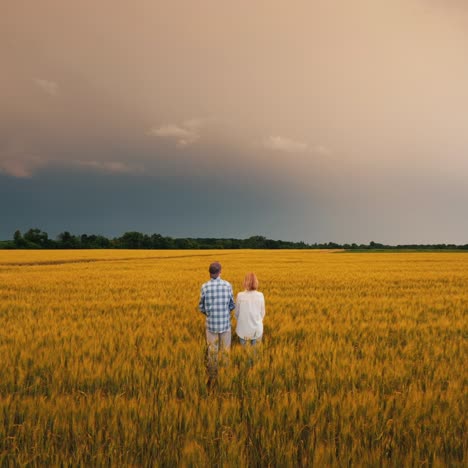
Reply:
x=250, y=311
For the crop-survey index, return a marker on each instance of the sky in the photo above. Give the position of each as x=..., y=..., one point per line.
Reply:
x=317, y=120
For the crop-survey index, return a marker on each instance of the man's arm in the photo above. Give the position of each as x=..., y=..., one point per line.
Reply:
x=232, y=304
x=201, y=302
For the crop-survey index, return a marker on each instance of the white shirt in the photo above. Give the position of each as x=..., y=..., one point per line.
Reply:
x=250, y=311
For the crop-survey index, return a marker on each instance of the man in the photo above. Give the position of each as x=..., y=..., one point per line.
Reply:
x=216, y=302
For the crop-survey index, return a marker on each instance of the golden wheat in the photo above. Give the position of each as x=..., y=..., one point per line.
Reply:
x=362, y=363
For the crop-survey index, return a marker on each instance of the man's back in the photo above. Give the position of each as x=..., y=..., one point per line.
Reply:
x=216, y=302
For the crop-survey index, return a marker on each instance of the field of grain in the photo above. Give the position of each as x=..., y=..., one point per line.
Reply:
x=362, y=364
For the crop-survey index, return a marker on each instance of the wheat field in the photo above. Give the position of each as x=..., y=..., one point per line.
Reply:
x=362, y=363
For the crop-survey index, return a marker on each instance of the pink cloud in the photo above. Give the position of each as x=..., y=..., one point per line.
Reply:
x=21, y=167
x=110, y=166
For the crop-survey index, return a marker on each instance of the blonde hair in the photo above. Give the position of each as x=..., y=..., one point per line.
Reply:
x=250, y=282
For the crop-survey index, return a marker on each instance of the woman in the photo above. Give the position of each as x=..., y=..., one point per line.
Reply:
x=250, y=311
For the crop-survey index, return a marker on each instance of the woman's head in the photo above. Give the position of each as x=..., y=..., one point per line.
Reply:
x=250, y=282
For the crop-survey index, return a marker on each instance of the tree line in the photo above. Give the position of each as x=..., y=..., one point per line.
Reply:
x=37, y=239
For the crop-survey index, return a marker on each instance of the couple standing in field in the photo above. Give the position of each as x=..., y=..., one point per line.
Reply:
x=217, y=303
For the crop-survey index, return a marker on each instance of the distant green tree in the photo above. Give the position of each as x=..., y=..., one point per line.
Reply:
x=157, y=241
x=94, y=242
x=133, y=240
x=255, y=242
x=18, y=240
x=235, y=244
x=169, y=243
x=17, y=236
x=36, y=238
x=272, y=244
x=376, y=245
x=102, y=242
x=183, y=243
x=68, y=241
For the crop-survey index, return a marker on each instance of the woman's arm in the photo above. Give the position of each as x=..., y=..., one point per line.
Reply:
x=236, y=313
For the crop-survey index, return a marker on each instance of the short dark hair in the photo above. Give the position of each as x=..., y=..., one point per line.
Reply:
x=215, y=269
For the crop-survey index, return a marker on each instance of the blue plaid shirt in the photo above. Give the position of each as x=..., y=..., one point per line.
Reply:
x=216, y=302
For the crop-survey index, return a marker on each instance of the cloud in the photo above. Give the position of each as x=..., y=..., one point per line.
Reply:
x=287, y=145
x=21, y=167
x=323, y=150
x=49, y=87
x=18, y=163
x=116, y=167
x=185, y=134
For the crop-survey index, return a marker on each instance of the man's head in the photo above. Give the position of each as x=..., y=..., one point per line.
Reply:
x=215, y=269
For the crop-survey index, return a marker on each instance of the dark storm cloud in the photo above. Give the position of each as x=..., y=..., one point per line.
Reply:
x=92, y=202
